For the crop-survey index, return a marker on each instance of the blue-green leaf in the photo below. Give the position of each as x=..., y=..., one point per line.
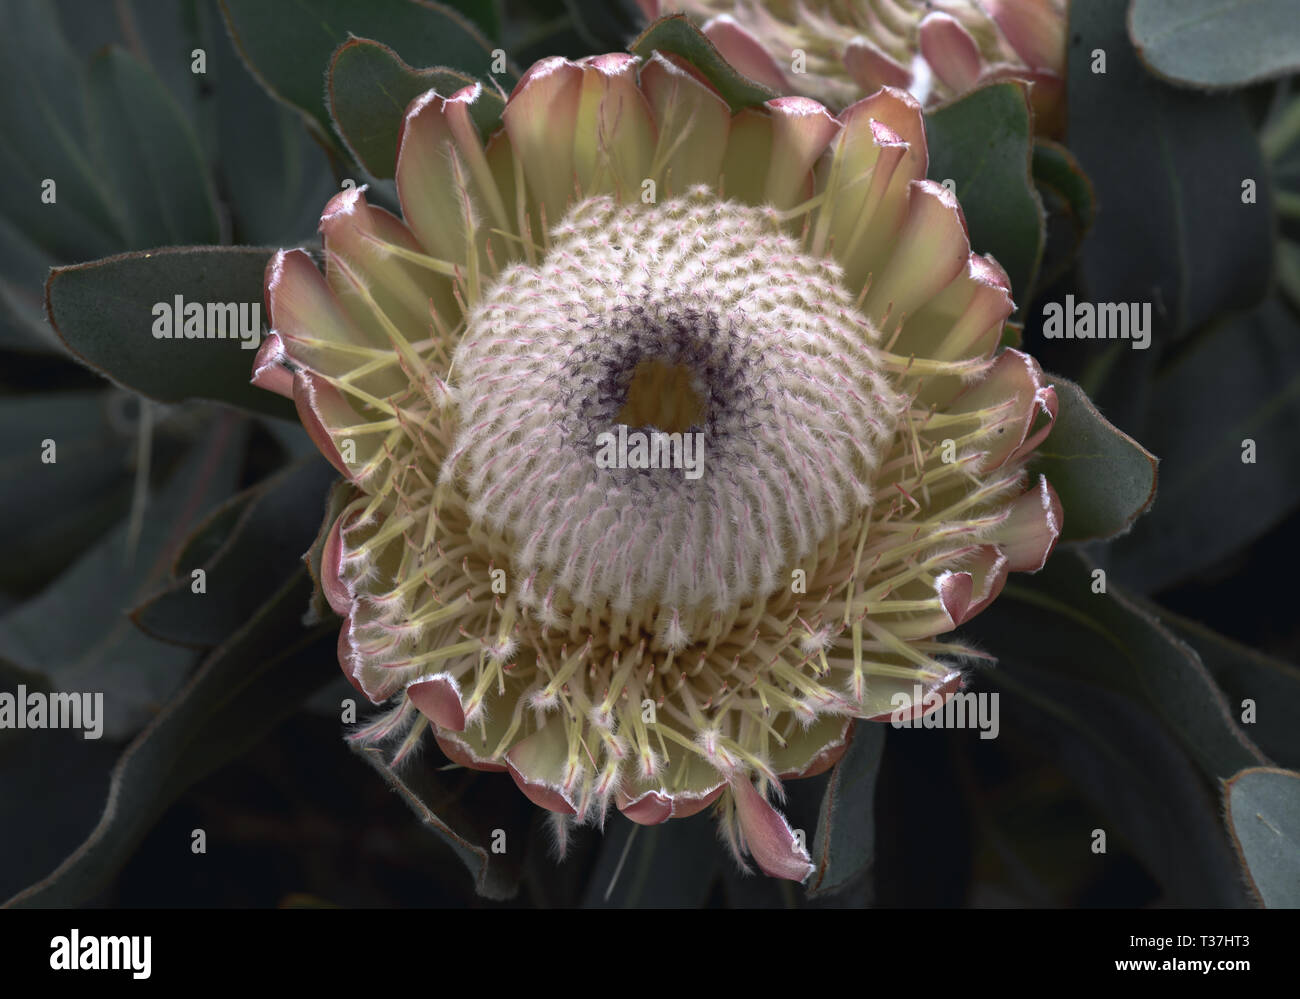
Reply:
x=1225, y=419
x=46, y=125
x=246, y=687
x=288, y=46
x=982, y=144
x=254, y=540
x=150, y=155
x=104, y=312
x=1175, y=161
x=1057, y=621
x=1264, y=814
x=369, y=89
x=467, y=810
x=844, y=844
x=1271, y=685
x=71, y=501
x=1105, y=478
x=75, y=632
x=1216, y=43
x=676, y=34
x=1151, y=799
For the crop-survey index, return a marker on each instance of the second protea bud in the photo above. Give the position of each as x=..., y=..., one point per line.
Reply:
x=938, y=49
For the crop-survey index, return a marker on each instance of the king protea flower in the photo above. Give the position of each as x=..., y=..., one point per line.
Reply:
x=937, y=49
x=625, y=256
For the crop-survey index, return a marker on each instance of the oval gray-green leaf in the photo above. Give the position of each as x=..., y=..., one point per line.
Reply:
x=1054, y=166
x=468, y=827
x=369, y=89
x=1058, y=623
x=74, y=631
x=677, y=35
x=104, y=312
x=981, y=146
x=1069, y=203
x=1105, y=478
x=150, y=156
x=44, y=107
x=1271, y=686
x=246, y=687
x=77, y=498
x=1263, y=806
x=1225, y=416
x=256, y=539
x=276, y=173
x=288, y=46
x=1124, y=763
x=1169, y=168
x=1216, y=43
x=845, y=841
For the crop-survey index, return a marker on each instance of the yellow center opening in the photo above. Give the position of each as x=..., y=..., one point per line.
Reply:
x=661, y=396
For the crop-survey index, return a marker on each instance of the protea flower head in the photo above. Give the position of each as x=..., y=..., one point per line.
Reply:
x=624, y=259
x=840, y=50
